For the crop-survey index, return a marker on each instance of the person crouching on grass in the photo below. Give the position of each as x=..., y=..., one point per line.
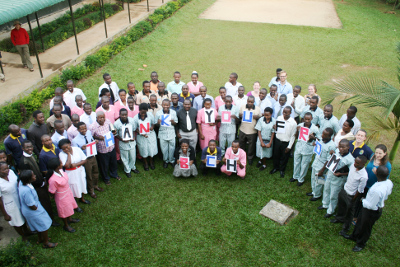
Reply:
x=211, y=150
x=184, y=150
x=238, y=154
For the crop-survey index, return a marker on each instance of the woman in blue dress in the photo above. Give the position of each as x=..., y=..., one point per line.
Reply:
x=266, y=133
x=143, y=124
x=34, y=213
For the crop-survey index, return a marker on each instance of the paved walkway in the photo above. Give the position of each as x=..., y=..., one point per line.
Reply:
x=319, y=13
x=20, y=81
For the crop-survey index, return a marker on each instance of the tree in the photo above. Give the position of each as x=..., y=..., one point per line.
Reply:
x=374, y=93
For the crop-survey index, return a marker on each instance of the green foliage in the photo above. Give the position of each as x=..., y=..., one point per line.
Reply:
x=146, y=26
x=17, y=254
x=131, y=1
x=155, y=19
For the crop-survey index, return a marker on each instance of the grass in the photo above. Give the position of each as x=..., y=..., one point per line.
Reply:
x=154, y=219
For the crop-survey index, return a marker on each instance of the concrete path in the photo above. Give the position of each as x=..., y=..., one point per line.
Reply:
x=20, y=81
x=319, y=13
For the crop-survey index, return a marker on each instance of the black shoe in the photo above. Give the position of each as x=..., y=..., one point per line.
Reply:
x=128, y=174
x=165, y=165
x=300, y=183
x=72, y=220
x=136, y=171
x=328, y=215
x=79, y=210
x=259, y=164
x=250, y=161
x=282, y=174
x=309, y=194
x=85, y=201
x=292, y=180
x=120, y=162
x=335, y=221
x=322, y=208
x=345, y=235
x=357, y=249
x=314, y=198
x=55, y=224
x=273, y=171
x=69, y=229
x=262, y=168
x=152, y=166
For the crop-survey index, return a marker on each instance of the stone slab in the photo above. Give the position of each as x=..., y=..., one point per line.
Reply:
x=318, y=13
x=278, y=212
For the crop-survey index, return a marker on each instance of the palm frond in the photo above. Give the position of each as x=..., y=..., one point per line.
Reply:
x=367, y=91
x=383, y=125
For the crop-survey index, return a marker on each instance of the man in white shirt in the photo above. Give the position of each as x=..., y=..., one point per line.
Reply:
x=284, y=139
x=351, y=115
x=110, y=85
x=232, y=85
x=349, y=195
x=264, y=102
x=372, y=209
x=240, y=99
x=273, y=95
x=89, y=116
x=297, y=102
x=275, y=80
x=71, y=93
x=284, y=87
x=280, y=105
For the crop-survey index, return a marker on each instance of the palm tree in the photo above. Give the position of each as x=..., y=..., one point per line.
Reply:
x=374, y=93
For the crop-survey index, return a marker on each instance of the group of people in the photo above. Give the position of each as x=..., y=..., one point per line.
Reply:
x=231, y=131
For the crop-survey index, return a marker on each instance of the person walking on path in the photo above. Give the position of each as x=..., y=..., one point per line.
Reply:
x=20, y=38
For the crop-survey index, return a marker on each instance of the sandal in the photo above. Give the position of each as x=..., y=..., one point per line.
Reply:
x=107, y=183
x=74, y=220
x=38, y=242
x=118, y=178
x=50, y=245
x=31, y=70
x=69, y=229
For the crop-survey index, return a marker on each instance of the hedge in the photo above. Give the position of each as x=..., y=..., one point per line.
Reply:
x=61, y=29
x=21, y=110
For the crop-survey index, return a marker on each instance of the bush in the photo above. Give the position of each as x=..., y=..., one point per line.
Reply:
x=17, y=254
x=88, y=22
x=145, y=26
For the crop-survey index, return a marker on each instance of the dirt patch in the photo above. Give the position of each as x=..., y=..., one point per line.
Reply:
x=318, y=13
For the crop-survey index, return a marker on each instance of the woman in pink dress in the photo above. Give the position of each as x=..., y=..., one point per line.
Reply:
x=207, y=131
x=121, y=103
x=59, y=186
x=132, y=109
x=194, y=85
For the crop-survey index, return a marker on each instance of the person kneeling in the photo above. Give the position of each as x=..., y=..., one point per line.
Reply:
x=207, y=163
x=237, y=154
x=185, y=160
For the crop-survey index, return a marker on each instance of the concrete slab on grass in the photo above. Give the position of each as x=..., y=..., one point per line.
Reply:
x=318, y=13
x=278, y=212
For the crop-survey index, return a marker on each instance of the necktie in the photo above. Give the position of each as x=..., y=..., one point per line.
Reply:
x=111, y=93
x=90, y=120
x=86, y=139
x=188, y=122
x=280, y=111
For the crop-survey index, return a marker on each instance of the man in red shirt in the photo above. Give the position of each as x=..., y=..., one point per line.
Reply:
x=20, y=38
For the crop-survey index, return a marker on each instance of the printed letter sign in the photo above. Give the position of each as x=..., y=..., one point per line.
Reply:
x=109, y=139
x=280, y=127
x=91, y=149
x=247, y=116
x=303, y=133
x=318, y=148
x=231, y=165
x=333, y=163
x=184, y=163
x=225, y=117
x=144, y=128
x=166, y=120
x=209, y=116
x=127, y=133
x=211, y=161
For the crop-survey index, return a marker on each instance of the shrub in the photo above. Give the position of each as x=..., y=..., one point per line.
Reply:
x=88, y=22
x=17, y=254
x=156, y=18
x=145, y=26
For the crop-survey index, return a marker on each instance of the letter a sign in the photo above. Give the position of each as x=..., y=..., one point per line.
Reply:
x=127, y=133
x=144, y=128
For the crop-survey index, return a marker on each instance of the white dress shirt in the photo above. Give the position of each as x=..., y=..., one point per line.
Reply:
x=356, y=181
x=69, y=98
x=239, y=102
x=299, y=104
x=231, y=89
x=264, y=103
x=88, y=119
x=277, y=107
x=357, y=123
x=114, y=87
x=377, y=195
x=273, y=81
x=290, y=131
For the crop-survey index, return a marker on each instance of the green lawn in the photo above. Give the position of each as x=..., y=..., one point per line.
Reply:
x=154, y=219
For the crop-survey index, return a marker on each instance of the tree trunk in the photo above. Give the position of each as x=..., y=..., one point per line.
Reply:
x=396, y=144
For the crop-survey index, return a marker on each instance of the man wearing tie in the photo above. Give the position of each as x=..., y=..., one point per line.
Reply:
x=187, y=127
x=112, y=86
x=92, y=170
x=89, y=116
x=198, y=100
x=280, y=105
